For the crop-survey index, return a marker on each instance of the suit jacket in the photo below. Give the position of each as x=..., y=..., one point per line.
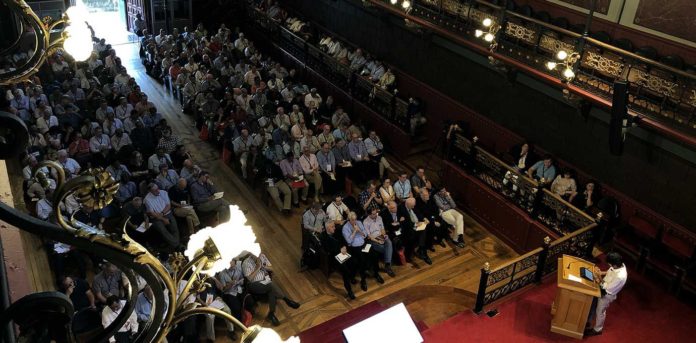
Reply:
x=388, y=222
x=406, y=223
x=427, y=210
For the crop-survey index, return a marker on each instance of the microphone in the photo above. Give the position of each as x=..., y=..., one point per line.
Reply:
x=568, y=267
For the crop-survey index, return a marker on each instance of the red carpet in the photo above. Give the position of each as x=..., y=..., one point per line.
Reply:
x=642, y=313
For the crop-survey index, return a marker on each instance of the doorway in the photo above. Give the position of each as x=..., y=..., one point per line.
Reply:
x=108, y=18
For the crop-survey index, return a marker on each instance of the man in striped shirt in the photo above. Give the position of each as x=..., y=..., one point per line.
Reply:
x=257, y=272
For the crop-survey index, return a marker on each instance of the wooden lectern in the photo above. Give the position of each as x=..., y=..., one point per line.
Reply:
x=573, y=297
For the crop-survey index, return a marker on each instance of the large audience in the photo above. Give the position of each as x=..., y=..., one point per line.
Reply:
x=276, y=132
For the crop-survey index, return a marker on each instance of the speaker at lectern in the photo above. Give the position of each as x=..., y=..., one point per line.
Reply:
x=577, y=287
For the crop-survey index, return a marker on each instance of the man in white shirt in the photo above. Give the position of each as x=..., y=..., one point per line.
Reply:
x=110, y=312
x=70, y=166
x=159, y=209
x=256, y=271
x=613, y=280
x=337, y=211
x=310, y=167
x=313, y=96
x=99, y=141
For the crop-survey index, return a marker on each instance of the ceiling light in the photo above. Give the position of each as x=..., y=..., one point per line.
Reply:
x=551, y=65
x=478, y=33
x=561, y=55
x=487, y=22
x=568, y=73
x=488, y=37
x=393, y=2
x=406, y=4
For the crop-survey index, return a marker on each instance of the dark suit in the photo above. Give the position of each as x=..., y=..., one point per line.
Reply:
x=332, y=246
x=391, y=229
x=430, y=211
x=412, y=238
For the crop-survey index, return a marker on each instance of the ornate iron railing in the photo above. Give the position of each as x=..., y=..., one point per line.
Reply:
x=656, y=90
x=531, y=267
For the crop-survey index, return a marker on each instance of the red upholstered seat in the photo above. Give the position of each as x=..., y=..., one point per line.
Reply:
x=678, y=244
x=643, y=227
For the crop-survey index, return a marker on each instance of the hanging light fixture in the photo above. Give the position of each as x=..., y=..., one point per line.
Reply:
x=406, y=4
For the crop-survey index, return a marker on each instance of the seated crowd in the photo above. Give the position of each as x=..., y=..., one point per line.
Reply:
x=283, y=136
x=360, y=62
x=96, y=116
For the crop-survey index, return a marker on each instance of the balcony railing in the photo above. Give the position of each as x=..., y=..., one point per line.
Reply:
x=656, y=91
x=528, y=194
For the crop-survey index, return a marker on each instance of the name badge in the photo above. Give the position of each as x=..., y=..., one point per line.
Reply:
x=398, y=232
x=359, y=156
x=328, y=167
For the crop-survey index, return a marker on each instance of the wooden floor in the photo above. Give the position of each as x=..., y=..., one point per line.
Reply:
x=280, y=236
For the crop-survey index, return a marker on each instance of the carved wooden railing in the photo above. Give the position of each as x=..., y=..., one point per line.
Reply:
x=387, y=104
x=657, y=91
x=530, y=268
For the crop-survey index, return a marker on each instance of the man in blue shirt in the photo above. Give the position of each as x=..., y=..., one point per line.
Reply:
x=355, y=235
x=543, y=170
x=361, y=159
x=402, y=188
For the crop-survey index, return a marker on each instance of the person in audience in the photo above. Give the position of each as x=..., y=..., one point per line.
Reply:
x=257, y=272
x=162, y=220
x=208, y=297
x=314, y=218
x=449, y=213
x=143, y=306
x=588, y=198
x=402, y=188
x=436, y=230
x=310, y=168
x=612, y=282
x=334, y=244
x=294, y=177
x=327, y=167
x=356, y=237
x=344, y=169
x=110, y=313
x=166, y=178
x=242, y=144
x=564, y=185
x=375, y=148
x=543, y=171
x=370, y=198
x=206, y=199
x=276, y=185
x=523, y=155
x=159, y=158
x=88, y=215
x=379, y=239
x=386, y=191
x=360, y=158
x=337, y=211
x=413, y=230
x=70, y=166
x=108, y=282
x=181, y=205
x=420, y=181
x=78, y=291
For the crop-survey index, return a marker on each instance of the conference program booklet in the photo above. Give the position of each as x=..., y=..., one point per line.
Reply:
x=342, y=257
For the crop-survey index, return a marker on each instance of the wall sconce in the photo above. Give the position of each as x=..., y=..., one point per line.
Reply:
x=405, y=4
x=490, y=34
x=566, y=62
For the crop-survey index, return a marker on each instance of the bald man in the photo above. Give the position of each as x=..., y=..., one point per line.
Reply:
x=414, y=241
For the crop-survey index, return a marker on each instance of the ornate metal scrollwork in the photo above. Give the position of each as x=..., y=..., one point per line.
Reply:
x=520, y=32
x=603, y=64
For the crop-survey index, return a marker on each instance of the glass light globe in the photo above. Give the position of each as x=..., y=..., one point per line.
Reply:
x=478, y=33
x=568, y=73
x=406, y=4
x=551, y=65
x=78, y=48
x=562, y=55
x=231, y=239
x=488, y=37
x=267, y=335
x=487, y=22
x=393, y=2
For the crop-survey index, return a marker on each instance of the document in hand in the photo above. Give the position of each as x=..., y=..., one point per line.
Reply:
x=421, y=226
x=143, y=227
x=367, y=248
x=218, y=195
x=342, y=257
